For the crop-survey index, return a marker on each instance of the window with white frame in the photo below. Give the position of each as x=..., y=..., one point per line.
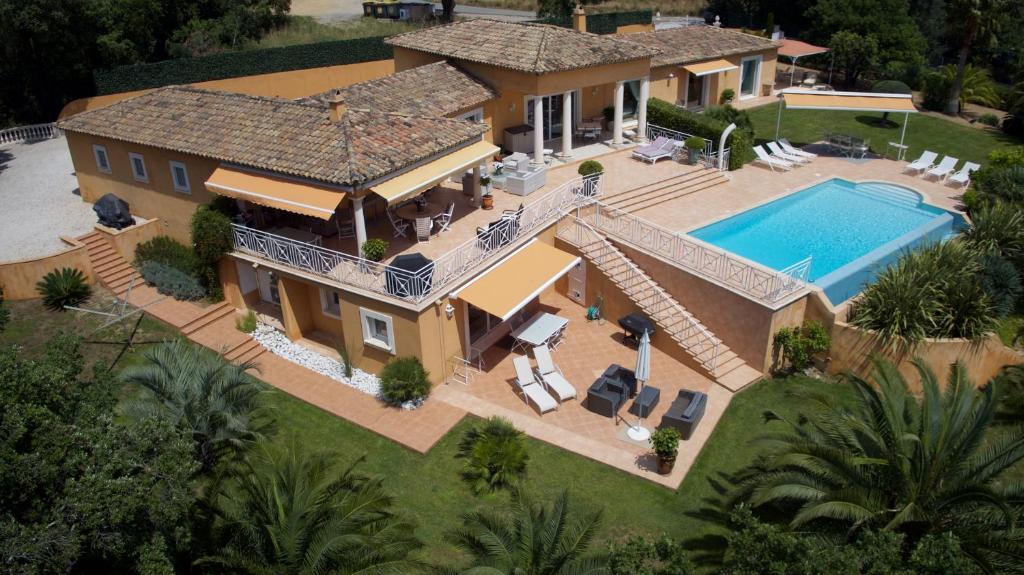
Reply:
x=102, y=159
x=330, y=303
x=476, y=115
x=377, y=330
x=179, y=177
x=138, y=167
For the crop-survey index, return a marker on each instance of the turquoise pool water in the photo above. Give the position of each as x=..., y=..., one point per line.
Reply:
x=849, y=230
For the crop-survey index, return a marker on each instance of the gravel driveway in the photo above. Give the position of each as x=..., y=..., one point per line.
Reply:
x=39, y=200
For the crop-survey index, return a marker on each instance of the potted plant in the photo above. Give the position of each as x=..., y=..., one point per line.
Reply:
x=666, y=445
x=695, y=144
x=486, y=199
x=374, y=249
x=728, y=95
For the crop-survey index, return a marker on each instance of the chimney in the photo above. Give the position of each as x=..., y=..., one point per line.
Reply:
x=336, y=103
x=579, y=19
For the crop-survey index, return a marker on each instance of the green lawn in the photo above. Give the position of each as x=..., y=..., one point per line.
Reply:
x=306, y=30
x=923, y=131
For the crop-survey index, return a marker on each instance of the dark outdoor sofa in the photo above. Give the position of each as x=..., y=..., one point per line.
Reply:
x=685, y=412
x=611, y=390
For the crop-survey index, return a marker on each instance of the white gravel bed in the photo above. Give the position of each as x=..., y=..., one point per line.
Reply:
x=277, y=343
x=39, y=195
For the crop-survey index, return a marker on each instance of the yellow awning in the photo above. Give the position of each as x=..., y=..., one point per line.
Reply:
x=278, y=192
x=848, y=101
x=710, y=67
x=432, y=173
x=516, y=280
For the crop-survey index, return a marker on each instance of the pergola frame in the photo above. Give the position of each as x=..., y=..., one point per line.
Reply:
x=847, y=102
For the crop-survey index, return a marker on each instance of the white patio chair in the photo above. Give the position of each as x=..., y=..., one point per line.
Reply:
x=791, y=149
x=779, y=153
x=423, y=227
x=963, y=177
x=944, y=168
x=772, y=163
x=527, y=384
x=399, y=225
x=659, y=149
x=925, y=162
x=445, y=218
x=551, y=375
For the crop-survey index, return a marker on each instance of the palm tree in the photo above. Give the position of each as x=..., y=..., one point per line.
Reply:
x=532, y=539
x=971, y=21
x=495, y=454
x=976, y=85
x=196, y=390
x=897, y=463
x=293, y=512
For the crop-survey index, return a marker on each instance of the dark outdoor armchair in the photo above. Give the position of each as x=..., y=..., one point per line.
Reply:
x=606, y=396
x=685, y=412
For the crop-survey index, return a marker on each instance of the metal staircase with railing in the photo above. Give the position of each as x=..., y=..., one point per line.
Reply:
x=707, y=350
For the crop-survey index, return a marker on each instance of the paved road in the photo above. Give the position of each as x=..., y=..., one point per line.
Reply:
x=329, y=11
x=494, y=13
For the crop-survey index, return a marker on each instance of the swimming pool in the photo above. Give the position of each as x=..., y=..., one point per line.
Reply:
x=850, y=230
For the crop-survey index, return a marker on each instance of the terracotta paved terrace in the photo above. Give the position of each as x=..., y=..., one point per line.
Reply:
x=588, y=349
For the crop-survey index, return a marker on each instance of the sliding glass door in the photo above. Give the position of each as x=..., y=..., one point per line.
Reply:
x=749, y=74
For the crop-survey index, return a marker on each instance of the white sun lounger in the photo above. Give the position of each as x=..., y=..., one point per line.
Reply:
x=772, y=163
x=925, y=162
x=551, y=375
x=791, y=149
x=777, y=152
x=532, y=390
x=963, y=177
x=944, y=168
x=660, y=148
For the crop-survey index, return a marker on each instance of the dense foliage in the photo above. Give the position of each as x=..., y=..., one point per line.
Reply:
x=63, y=287
x=374, y=249
x=801, y=343
x=5, y=313
x=897, y=463
x=168, y=251
x=495, y=455
x=404, y=379
x=83, y=491
x=171, y=281
x=639, y=556
x=666, y=115
x=589, y=168
x=211, y=239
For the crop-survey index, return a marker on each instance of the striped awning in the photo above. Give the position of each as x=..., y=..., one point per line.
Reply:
x=273, y=191
x=848, y=101
x=428, y=175
x=710, y=67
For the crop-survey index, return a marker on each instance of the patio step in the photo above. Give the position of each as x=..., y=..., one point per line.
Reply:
x=112, y=271
x=212, y=314
x=666, y=190
x=247, y=350
x=719, y=362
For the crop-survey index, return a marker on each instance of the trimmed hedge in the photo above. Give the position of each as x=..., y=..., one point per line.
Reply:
x=666, y=115
x=244, y=63
x=172, y=282
x=604, y=23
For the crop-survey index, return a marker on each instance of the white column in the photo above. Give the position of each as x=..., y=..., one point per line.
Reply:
x=620, y=93
x=477, y=188
x=567, y=126
x=538, y=130
x=357, y=217
x=641, y=110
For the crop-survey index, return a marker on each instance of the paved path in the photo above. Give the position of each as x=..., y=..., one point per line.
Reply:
x=39, y=200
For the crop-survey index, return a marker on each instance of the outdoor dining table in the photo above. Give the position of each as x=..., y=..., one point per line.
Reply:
x=538, y=330
x=298, y=235
x=410, y=212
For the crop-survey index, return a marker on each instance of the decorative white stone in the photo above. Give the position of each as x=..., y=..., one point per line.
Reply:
x=278, y=344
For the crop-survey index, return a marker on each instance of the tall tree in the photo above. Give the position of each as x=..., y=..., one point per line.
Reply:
x=970, y=22
x=896, y=463
x=288, y=511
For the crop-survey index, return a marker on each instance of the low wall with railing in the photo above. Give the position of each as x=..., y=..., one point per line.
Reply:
x=29, y=133
x=18, y=279
x=126, y=240
x=436, y=277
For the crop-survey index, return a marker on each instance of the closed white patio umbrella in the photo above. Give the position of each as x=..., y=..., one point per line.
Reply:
x=642, y=373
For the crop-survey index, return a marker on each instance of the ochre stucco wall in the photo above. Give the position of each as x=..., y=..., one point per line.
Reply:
x=18, y=278
x=125, y=241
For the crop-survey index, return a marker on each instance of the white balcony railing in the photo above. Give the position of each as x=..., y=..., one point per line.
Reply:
x=707, y=155
x=30, y=133
x=433, y=278
x=750, y=279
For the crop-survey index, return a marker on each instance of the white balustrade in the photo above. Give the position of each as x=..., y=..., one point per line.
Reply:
x=29, y=133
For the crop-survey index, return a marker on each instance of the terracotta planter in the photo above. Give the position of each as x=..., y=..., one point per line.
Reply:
x=665, y=464
x=487, y=202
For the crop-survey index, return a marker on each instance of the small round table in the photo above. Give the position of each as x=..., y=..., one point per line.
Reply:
x=409, y=211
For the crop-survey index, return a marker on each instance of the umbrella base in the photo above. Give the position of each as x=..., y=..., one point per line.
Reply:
x=639, y=433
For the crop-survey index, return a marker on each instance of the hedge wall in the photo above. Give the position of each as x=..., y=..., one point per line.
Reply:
x=245, y=63
x=666, y=115
x=604, y=23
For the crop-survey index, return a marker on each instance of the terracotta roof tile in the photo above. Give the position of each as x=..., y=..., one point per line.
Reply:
x=695, y=43
x=274, y=134
x=526, y=47
x=437, y=89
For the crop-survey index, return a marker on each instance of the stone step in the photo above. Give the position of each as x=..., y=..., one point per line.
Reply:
x=250, y=355
x=212, y=314
x=241, y=349
x=630, y=196
x=737, y=378
x=665, y=195
x=114, y=274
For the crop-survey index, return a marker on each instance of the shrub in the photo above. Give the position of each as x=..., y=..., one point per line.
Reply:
x=890, y=87
x=1007, y=157
x=695, y=143
x=665, y=441
x=211, y=239
x=404, y=379
x=5, y=314
x=345, y=362
x=935, y=91
x=590, y=167
x=800, y=344
x=989, y=119
x=639, y=556
x=1000, y=281
x=246, y=323
x=728, y=95
x=495, y=455
x=167, y=251
x=63, y=287
x=374, y=249
x=173, y=282
x=995, y=183
x=730, y=115
x=997, y=228
x=666, y=115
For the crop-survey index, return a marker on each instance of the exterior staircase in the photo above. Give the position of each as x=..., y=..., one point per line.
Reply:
x=716, y=359
x=667, y=189
x=239, y=347
x=112, y=271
